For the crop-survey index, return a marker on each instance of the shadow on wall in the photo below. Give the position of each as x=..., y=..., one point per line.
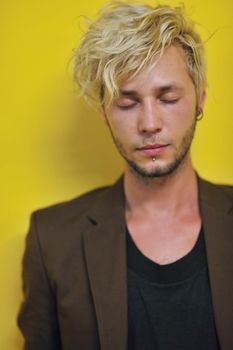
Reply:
x=77, y=145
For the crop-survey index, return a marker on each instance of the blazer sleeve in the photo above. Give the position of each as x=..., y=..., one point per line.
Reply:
x=37, y=317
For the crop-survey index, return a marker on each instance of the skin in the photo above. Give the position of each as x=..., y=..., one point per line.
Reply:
x=157, y=110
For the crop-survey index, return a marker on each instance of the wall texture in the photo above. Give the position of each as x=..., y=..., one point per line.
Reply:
x=53, y=147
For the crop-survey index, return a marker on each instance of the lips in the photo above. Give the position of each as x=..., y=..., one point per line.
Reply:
x=153, y=149
x=153, y=146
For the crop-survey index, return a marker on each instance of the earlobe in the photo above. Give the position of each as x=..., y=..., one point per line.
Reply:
x=201, y=103
x=199, y=112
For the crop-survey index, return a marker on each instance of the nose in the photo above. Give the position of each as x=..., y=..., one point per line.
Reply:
x=150, y=120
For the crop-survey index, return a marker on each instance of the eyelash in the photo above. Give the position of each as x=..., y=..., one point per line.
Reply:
x=127, y=107
x=169, y=101
x=134, y=104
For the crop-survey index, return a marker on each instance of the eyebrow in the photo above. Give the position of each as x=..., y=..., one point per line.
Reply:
x=160, y=89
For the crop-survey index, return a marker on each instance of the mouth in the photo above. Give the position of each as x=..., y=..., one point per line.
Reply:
x=153, y=149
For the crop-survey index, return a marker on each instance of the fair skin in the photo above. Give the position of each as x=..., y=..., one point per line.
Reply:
x=152, y=123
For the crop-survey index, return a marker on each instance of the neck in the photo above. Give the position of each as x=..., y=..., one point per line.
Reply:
x=167, y=193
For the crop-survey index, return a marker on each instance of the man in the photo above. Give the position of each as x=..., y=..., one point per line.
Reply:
x=147, y=263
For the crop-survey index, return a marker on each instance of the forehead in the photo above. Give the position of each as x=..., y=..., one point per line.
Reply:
x=169, y=71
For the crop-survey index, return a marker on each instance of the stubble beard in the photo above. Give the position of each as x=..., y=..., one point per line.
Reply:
x=159, y=171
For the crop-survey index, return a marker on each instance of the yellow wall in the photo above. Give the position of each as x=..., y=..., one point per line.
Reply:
x=53, y=147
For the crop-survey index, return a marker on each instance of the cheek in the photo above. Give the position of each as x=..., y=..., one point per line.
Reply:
x=185, y=113
x=181, y=118
x=121, y=125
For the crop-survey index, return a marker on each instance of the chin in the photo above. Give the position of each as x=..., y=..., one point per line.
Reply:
x=157, y=169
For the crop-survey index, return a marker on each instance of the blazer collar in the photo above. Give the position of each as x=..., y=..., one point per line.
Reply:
x=109, y=205
x=105, y=251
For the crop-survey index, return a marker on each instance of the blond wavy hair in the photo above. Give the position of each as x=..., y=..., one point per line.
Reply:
x=124, y=38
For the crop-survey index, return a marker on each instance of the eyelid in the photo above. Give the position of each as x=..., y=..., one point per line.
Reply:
x=125, y=99
x=172, y=100
x=126, y=102
x=124, y=107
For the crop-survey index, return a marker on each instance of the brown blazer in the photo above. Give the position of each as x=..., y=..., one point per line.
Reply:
x=74, y=270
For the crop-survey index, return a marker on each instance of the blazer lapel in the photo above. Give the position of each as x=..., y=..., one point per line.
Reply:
x=216, y=211
x=105, y=251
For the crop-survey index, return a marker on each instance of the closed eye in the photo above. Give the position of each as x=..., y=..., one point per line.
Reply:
x=173, y=101
x=125, y=107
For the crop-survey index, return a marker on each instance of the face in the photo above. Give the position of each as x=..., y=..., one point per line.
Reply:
x=152, y=122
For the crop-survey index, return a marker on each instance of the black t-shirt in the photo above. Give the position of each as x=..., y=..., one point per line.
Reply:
x=169, y=306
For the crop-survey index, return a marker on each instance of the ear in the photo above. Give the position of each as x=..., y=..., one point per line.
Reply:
x=202, y=99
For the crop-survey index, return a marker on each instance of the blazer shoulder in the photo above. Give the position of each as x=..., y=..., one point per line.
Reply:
x=228, y=189
x=219, y=196
x=67, y=211
x=225, y=189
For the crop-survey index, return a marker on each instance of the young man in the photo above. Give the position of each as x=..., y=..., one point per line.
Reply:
x=147, y=263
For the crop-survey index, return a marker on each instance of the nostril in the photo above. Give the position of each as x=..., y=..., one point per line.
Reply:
x=151, y=127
